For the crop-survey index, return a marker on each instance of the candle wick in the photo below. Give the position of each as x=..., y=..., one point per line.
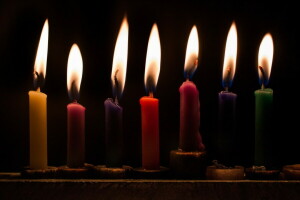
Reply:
x=116, y=79
x=74, y=101
x=264, y=77
x=38, y=89
x=116, y=100
x=151, y=94
x=226, y=89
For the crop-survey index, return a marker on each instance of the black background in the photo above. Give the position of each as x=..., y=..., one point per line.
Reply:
x=94, y=27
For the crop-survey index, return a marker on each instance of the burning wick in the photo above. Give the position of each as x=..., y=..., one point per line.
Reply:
x=151, y=94
x=227, y=78
x=38, y=82
x=195, y=64
x=74, y=92
x=263, y=76
x=117, y=85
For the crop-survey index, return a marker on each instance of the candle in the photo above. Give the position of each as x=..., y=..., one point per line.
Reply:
x=227, y=103
x=263, y=102
x=149, y=105
x=113, y=111
x=38, y=107
x=76, y=112
x=190, y=138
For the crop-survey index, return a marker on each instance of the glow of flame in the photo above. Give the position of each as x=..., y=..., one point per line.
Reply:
x=118, y=73
x=74, y=71
x=152, y=68
x=191, y=56
x=41, y=55
x=230, y=57
x=265, y=59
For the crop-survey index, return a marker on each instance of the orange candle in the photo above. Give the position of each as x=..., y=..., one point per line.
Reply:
x=149, y=105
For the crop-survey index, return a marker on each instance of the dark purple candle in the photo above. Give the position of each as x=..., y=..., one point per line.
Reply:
x=190, y=138
x=76, y=112
x=227, y=103
x=113, y=111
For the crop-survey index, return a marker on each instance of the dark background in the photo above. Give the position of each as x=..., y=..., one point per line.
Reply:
x=94, y=27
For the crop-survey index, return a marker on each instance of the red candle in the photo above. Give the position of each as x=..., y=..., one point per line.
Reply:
x=149, y=105
x=76, y=112
x=190, y=138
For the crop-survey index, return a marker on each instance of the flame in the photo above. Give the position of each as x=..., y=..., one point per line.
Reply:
x=152, y=60
x=230, y=57
x=74, y=73
x=118, y=73
x=265, y=58
x=191, y=56
x=41, y=55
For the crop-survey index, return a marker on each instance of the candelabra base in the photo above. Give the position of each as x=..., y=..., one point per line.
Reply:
x=141, y=173
x=291, y=172
x=75, y=173
x=234, y=173
x=50, y=172
x=101, y=171
x=188, y=165
x=261, y=173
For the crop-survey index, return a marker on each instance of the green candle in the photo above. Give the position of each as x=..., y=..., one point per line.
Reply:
x=263, y=103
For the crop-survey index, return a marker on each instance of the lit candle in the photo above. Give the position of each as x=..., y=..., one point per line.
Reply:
x=38, y=107
x=190, y=138
x=149, y=105
x=263, y=101
x=227, y=102
x=113, y=111
x=76, y=112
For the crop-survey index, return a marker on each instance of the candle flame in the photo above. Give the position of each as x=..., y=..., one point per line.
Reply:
x=230, y=57
x=265, y=59
x=74, y=72
x=152, y=60
x=118, y=73
x=191, y=56
x=40, y=64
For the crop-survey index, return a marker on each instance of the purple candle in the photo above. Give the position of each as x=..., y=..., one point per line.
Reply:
x=227, y=103
x=190, y=138
x=113, y=111
x=76, y=112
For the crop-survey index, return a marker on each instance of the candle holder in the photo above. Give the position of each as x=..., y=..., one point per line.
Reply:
x=141, y=173
x=191, y=165
x=291, y=172
x=221, y=172
x=49, y=172
x=102, y=171
x=75, y=173
x=261, y=173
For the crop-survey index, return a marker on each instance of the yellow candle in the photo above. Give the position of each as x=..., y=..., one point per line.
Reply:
x=38, y=129
x=38, y=107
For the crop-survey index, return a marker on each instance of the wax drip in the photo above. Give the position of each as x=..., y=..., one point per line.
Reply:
x=218, y=165
x=264, y=77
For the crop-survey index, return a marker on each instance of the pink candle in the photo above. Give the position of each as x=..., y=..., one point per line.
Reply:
x=76, y=138
x=190, y=138
x=76, y=112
